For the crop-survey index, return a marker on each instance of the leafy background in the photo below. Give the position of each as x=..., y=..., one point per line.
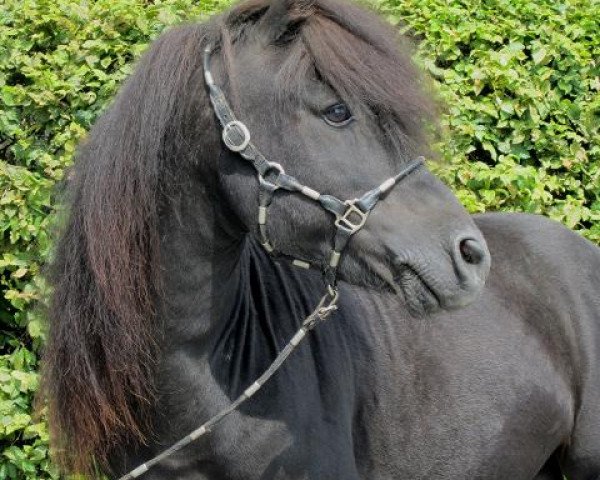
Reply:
x=521, y=81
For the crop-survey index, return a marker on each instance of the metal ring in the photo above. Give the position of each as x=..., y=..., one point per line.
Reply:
x=267, y=184
x=240, y=127
x=276, y=166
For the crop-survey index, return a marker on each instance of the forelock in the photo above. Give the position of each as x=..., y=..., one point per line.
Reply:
x=361, y=57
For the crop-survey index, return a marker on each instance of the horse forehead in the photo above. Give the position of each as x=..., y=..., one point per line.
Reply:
x=255, y=70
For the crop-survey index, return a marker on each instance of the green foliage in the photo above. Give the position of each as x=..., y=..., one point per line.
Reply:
x=520, y=80
x=18, y=381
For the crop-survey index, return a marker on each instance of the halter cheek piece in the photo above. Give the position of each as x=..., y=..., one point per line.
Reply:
x=350, y=217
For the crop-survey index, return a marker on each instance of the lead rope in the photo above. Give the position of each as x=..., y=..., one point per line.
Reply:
x=350, y=217
x=325, y=307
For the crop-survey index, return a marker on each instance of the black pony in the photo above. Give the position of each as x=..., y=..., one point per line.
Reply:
x=166, y=306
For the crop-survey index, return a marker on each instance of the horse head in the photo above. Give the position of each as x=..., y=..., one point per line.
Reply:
x=341, y=109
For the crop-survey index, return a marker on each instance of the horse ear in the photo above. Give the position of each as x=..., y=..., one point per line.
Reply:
x=285, y=17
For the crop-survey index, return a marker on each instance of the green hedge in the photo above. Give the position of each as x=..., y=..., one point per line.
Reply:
x=520, y=80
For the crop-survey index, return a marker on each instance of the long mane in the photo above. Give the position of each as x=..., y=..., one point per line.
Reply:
x=104, y=334
x=102, y=344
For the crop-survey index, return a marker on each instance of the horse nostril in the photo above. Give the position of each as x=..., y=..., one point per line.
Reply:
x=472, y=251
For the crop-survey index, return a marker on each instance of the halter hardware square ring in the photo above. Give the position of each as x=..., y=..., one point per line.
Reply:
x=346, y=221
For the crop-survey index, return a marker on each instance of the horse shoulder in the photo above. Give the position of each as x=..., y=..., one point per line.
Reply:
x=558, y=272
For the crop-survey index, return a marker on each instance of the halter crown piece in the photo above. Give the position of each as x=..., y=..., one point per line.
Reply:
x=350, y=217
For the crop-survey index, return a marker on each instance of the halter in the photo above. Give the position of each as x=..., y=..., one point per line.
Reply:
x=350, y=217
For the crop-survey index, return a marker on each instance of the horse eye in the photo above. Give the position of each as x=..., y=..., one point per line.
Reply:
x=338, y=115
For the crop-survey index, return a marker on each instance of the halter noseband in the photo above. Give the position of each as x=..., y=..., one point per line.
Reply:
x=350, y=217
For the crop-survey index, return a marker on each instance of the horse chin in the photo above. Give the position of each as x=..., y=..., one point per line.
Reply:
x=421, y=299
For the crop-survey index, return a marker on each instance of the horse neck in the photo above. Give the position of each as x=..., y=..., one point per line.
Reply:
x=225, y=295
x=265, y=303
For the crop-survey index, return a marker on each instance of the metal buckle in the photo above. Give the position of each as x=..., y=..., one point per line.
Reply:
x=346, y=221
x=242, y=130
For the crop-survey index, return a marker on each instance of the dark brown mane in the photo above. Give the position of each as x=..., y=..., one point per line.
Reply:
x=103, y=338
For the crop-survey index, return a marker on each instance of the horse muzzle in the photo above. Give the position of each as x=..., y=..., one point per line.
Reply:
x=453, y=280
